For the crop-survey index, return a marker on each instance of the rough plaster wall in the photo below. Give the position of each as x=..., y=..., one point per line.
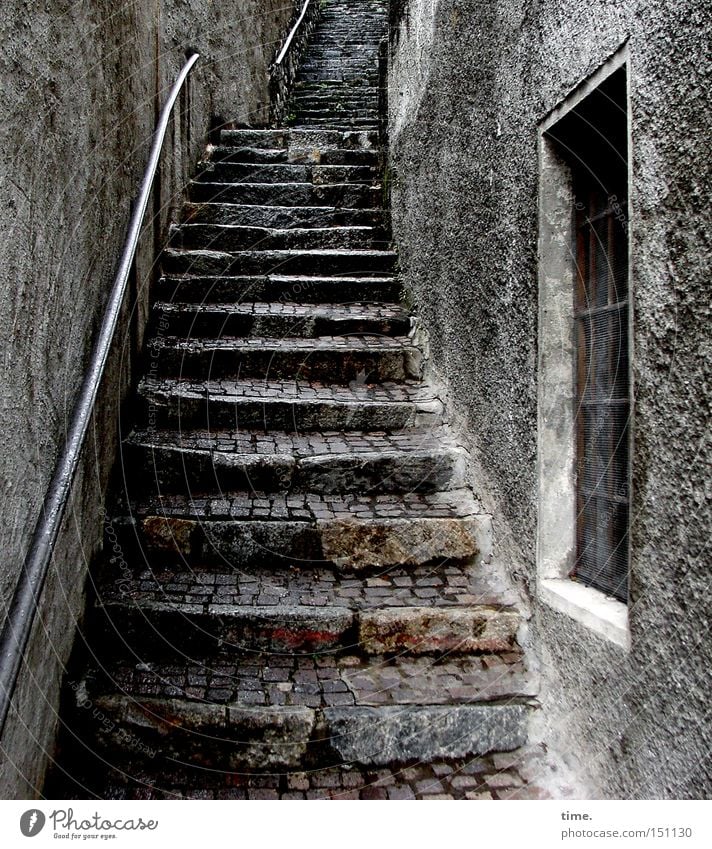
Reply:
x=464, y=188
x=81, y=82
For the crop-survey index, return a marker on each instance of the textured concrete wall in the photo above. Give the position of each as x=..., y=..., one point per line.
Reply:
x=469, y=82
x=81, y=82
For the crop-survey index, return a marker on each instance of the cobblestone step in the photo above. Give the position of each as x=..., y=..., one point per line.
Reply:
x=329, y=156
x=201, y=461
x=300, y=139
x=447, y=609
x=345, y=121
x=351, y=195
x=336, y=112
x=286, y=405
x=280, y=288
x=265, y=711
x=317, y=174
x=524, y=774
x=231, y=237
x=338, y=358
x=281, y=216
x=279, y=319
x=352, y=532
x=328, y=262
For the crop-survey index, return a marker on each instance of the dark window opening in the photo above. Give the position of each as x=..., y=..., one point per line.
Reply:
x=593, y=138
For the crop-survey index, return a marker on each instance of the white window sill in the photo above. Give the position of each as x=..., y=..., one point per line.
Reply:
x=607, y=616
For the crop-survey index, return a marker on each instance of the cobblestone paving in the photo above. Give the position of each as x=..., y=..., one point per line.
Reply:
x=440, y=585
x=298, y=445
x=529, y=773
x=307, y=312
x=406, y=392
x=327, y=681
x=311, y=506
x=322, y=343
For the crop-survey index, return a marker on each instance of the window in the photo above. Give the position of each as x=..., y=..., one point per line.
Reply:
x=584, y=379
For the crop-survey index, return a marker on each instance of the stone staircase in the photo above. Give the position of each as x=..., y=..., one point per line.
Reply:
x=338, y=80
x=297, y=576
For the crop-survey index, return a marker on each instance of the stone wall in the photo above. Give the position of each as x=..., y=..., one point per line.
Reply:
x=468, y=84
x=82, y=82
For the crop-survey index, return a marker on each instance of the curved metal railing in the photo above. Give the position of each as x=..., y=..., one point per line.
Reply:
x=23, y=607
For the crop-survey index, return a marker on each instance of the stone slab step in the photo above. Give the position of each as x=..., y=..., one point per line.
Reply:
x=276, y=711
x=317, y=174
x=174, y=629
x=449, y=609
x=344, y=195
x=410, y=461
x=287, y=405
x=338, y=358
x=279, y=320
x=344, y=122
x=349, y=531
x=356, y=85
x=266, y=155
x=336, y=113
x=280, y=216
x=338, y=98
x=239, y=237
x=523, y=774
x=325, y=261
x=295, y=139
x=282, y=288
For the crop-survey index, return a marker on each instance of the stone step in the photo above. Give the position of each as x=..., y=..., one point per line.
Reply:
x=342, y=195
x=352, y=532
x=337, y=358
x=280, y=288
x=344, y=121
x=335, y=101
x=301, y=139
x=280, y=217
x=357, y=87
x=267, y=711
x=414, y=460
x=336, y=113
x=316, y=174
x=240, y=237
x=328, y=262
x=286, y=405
x=453, y=608
x=329, y=156
x=279, y=319
x=522, y=774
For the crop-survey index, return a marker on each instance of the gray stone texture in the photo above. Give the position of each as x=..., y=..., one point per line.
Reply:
x=80, y=84
x=380, y=736
x=469, y=82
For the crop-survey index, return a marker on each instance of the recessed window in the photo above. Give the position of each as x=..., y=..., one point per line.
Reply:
x=585, y=357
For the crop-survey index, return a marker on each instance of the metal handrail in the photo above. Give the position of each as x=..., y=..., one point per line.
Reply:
x=290, y=38
x=23, y=607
